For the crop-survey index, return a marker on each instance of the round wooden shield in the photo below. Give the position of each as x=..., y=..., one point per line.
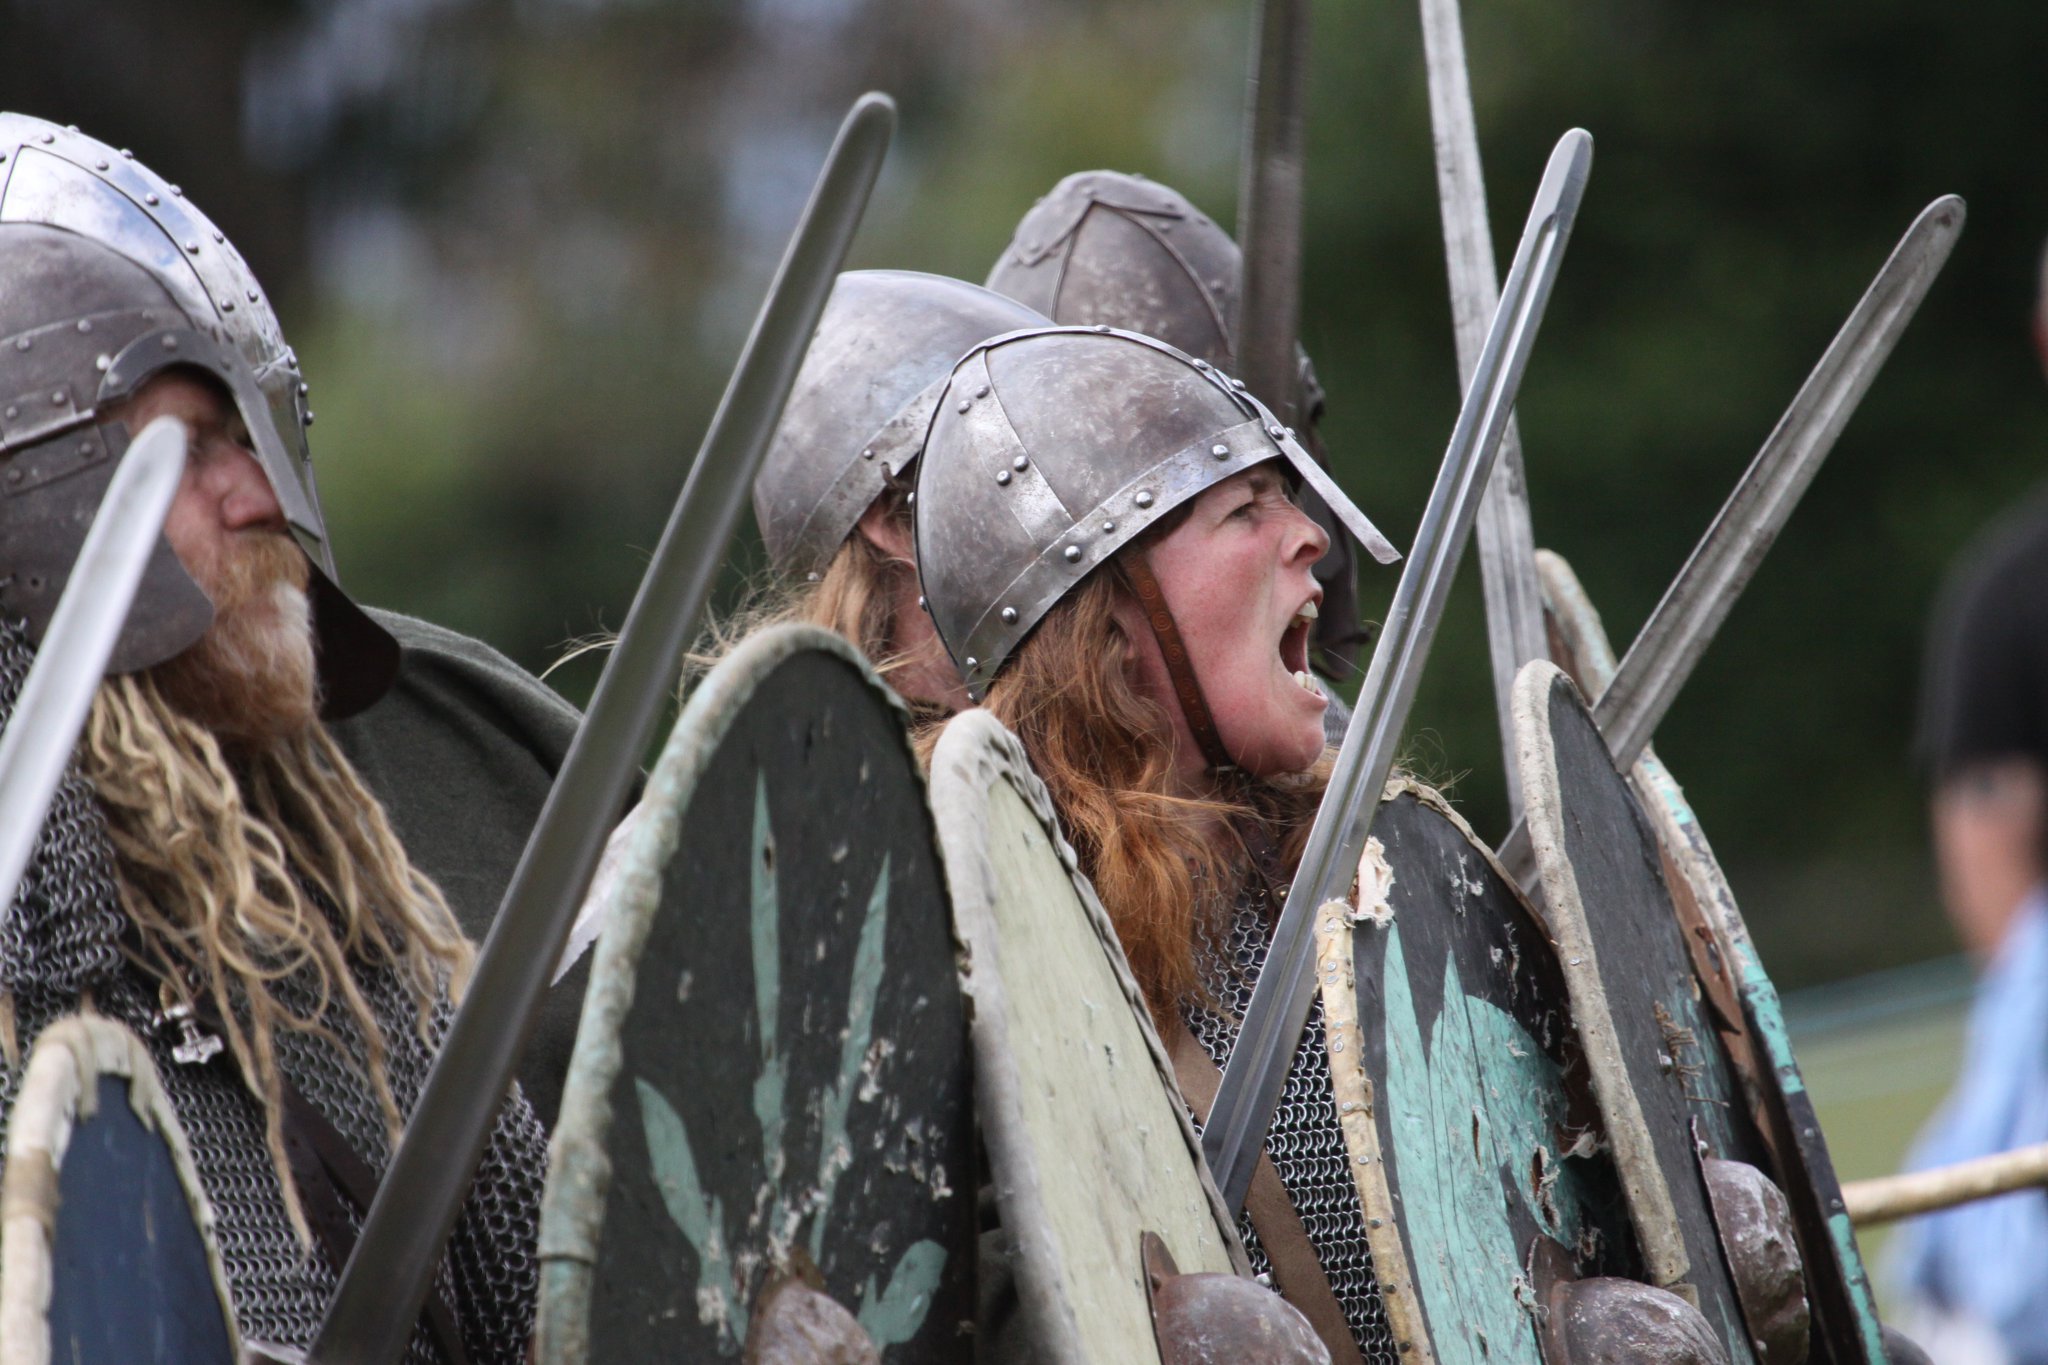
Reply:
x=107, y=1253
x=1724, y=960
x=771, y=1073
x=1462, y=1092
x=1667, y=1094
x=1089, y=1143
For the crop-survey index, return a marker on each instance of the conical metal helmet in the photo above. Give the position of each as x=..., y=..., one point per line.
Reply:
x=862, y=401
x=109, y=277
x=1106, y=248
x=1050, y=451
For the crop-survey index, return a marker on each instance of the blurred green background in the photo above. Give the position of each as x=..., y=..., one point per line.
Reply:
x=518, y=244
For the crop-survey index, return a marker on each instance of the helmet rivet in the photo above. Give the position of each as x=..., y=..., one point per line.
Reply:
x=1144, y=498
x=1237, y=384
x=101, y=165
x=965, y=404
x=973, y=662
x=227, y=305
x=48, y=139
x=23, y=344
x=127, y=155
x=170, y=343
x=981, y=392
x=1003, y=476
x=85, y=449
x=1277, y=433
x=151, y=200
x=85, y=324
x=1073, y=554
x=1220, y=451
x=910, y=500
x=1009, y=616
x=57, y=399
x=12, y=412
x=920, y=603
x=309, y=417
x=1102, y=327
x=812, y=578
x=104, y=362
x=868, y=454
x=254, y=296
x=219, y=236
x=1290, y=434
x=192, y=247
x=177, y=192
x=1020, y=463
x=304, y=388
x=1108, y=527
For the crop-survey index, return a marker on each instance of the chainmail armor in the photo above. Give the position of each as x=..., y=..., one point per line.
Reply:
x=1304, y=1142
x=62, y=937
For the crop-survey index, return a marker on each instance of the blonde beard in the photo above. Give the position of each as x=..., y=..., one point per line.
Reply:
x=251, y=679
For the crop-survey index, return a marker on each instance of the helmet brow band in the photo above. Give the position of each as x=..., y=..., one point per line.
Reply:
x=1179, y=668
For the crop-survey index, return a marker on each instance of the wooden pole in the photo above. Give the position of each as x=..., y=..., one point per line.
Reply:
x=1901, y=1196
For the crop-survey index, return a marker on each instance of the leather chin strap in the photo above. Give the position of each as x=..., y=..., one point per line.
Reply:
x=1179, y=669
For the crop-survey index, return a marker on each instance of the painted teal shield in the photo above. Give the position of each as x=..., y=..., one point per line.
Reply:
x=775, y=1036
x=1488, y=1135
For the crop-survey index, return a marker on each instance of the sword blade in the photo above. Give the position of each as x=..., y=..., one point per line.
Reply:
x=1678, y=632
x=1279, y=1006
x=388, y=1275
x=1269, y=208
x=1507, y=542
x=73, y=656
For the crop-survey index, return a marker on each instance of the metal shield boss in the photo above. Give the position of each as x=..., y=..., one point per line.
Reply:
x=108, y=1239
x=863, y=400
x=112, y=277
x=1051, y=450
x=766, y=1130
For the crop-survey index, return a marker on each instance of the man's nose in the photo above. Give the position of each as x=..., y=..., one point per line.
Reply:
x=247, y=499
x=1309, y=539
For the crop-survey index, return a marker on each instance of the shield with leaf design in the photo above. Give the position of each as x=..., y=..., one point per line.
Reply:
x=107, y=1252
x=1462, y=1093
x=770, y=1082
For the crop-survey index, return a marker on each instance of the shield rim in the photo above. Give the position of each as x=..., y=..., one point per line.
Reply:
x=60, y=1087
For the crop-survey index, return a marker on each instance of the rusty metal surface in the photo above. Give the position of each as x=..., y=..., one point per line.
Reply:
x=795, y=1324
x=1609, y=1321
x=1216, y=1319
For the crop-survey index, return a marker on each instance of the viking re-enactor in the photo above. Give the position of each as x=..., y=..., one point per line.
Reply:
x=213, y=872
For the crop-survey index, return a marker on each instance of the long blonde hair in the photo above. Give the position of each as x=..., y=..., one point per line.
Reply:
x=241, y=868
x=1106, y=752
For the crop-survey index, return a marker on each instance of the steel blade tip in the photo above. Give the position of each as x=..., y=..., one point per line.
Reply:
x=1946, y=213
x=872, y=107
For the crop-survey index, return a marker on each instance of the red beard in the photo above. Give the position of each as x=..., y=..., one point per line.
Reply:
x=251, y=677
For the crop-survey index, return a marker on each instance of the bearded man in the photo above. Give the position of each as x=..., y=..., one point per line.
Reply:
x=214, y=873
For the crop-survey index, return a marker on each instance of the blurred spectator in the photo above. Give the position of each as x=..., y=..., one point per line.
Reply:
x=1978, y=1275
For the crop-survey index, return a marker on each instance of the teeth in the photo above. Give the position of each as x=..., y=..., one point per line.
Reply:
x=1306, y=683
x=1308, y=611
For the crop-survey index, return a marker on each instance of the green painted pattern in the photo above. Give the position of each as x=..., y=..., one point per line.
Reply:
x=900, y=1311
x=701, y=1218
x=1473, y=1115
x=767, y=935
x=833, y=1156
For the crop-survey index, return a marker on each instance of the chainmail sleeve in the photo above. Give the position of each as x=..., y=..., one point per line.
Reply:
x=1305, y=1143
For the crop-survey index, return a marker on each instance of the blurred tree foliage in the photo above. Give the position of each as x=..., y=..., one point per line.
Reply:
x=518, y=245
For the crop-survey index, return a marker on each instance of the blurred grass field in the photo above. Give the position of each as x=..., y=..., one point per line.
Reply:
x=1878, y=1053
